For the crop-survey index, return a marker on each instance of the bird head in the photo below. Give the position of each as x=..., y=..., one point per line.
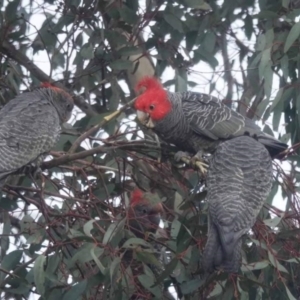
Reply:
x=61, y=100
x=152, y=104
x=144, y=213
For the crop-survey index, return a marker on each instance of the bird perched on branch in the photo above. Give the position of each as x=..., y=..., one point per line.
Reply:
x=195, y=123
x=143, y=217
x=239, y=180
x=144, y=213
x=30, y=126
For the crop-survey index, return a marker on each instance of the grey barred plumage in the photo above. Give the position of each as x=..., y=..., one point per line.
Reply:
x=240, y=170
x=239, y=180
x=30, y=126
x=195, y=122
x=203, y=121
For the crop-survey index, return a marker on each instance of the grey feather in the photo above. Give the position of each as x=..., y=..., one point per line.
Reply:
x=30, y=126
x=238, y=181
x=202, y=122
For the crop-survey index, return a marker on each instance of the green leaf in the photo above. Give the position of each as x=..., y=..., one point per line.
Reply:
x=288, y=234
x=120, y=64
x=20, y=290
x=173, y=21
x=292, y=36
x=133, y=242
x=11, y=260
x=83, y=254
x=277, y=113
x=191, y=285
x=261, y=42
x=53, y=262
x=285, y=3
x=289, y=294
x=114, y=100
x=298, y=107
x=261, y=109
x=273, y=222
x=79, y=39
x=202, y=54
x=148, y=258
x=11, y=10
x=88, y=227
x=128, y=15
x=197, y=4
x=5, y=242
x=112, y=230
x=55, y=294
x=255, y=266
x=176, y=225
x=87, y=51
x=37, y=237
x=284, y=63
x=264, y=62
x=45, y=37
x=268, y=76
x=169, y=268
x=278, y=109
x=277, y=99
x=209, y=42
x=218, y=289
x=269, y=38
x=132, y=50
x=267, y=129
x=8, y=204
x=180, y=80
x=114, y=37
x=294, y=260
x=248, y=26
x=39, y=274
x=114, y=267
x=148, y=282
x=58, y=60
x=96, y=252
x=64, y=20
x=276, y=263
x=76, y=291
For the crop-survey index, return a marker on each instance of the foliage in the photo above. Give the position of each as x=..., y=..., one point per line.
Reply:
x=62, y=234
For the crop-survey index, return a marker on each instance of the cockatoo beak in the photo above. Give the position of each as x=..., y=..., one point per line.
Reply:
x=145, y=119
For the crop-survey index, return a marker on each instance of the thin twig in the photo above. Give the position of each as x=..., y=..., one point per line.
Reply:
x=100, y=149
x=10, y=51
x=96, y=127
x=228, y=75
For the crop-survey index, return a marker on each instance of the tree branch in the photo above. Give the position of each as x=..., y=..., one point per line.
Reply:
x=11, y=52
x=96, y=127
x=100, y=149
x=228, y=75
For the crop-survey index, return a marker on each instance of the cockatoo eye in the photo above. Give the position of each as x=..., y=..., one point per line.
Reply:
x=69, y=106
x=151, y=107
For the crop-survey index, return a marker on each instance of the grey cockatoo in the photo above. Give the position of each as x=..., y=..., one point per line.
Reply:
x=143, y=217
x=144, y=213
x=30, y=126
x=195, y=123
x=239, y=180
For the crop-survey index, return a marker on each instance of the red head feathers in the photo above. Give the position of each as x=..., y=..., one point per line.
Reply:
x=136, y=197
x=56, y=89
x=50, y=85
x=139, y=197
x=154, y=100
x=144, y=213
